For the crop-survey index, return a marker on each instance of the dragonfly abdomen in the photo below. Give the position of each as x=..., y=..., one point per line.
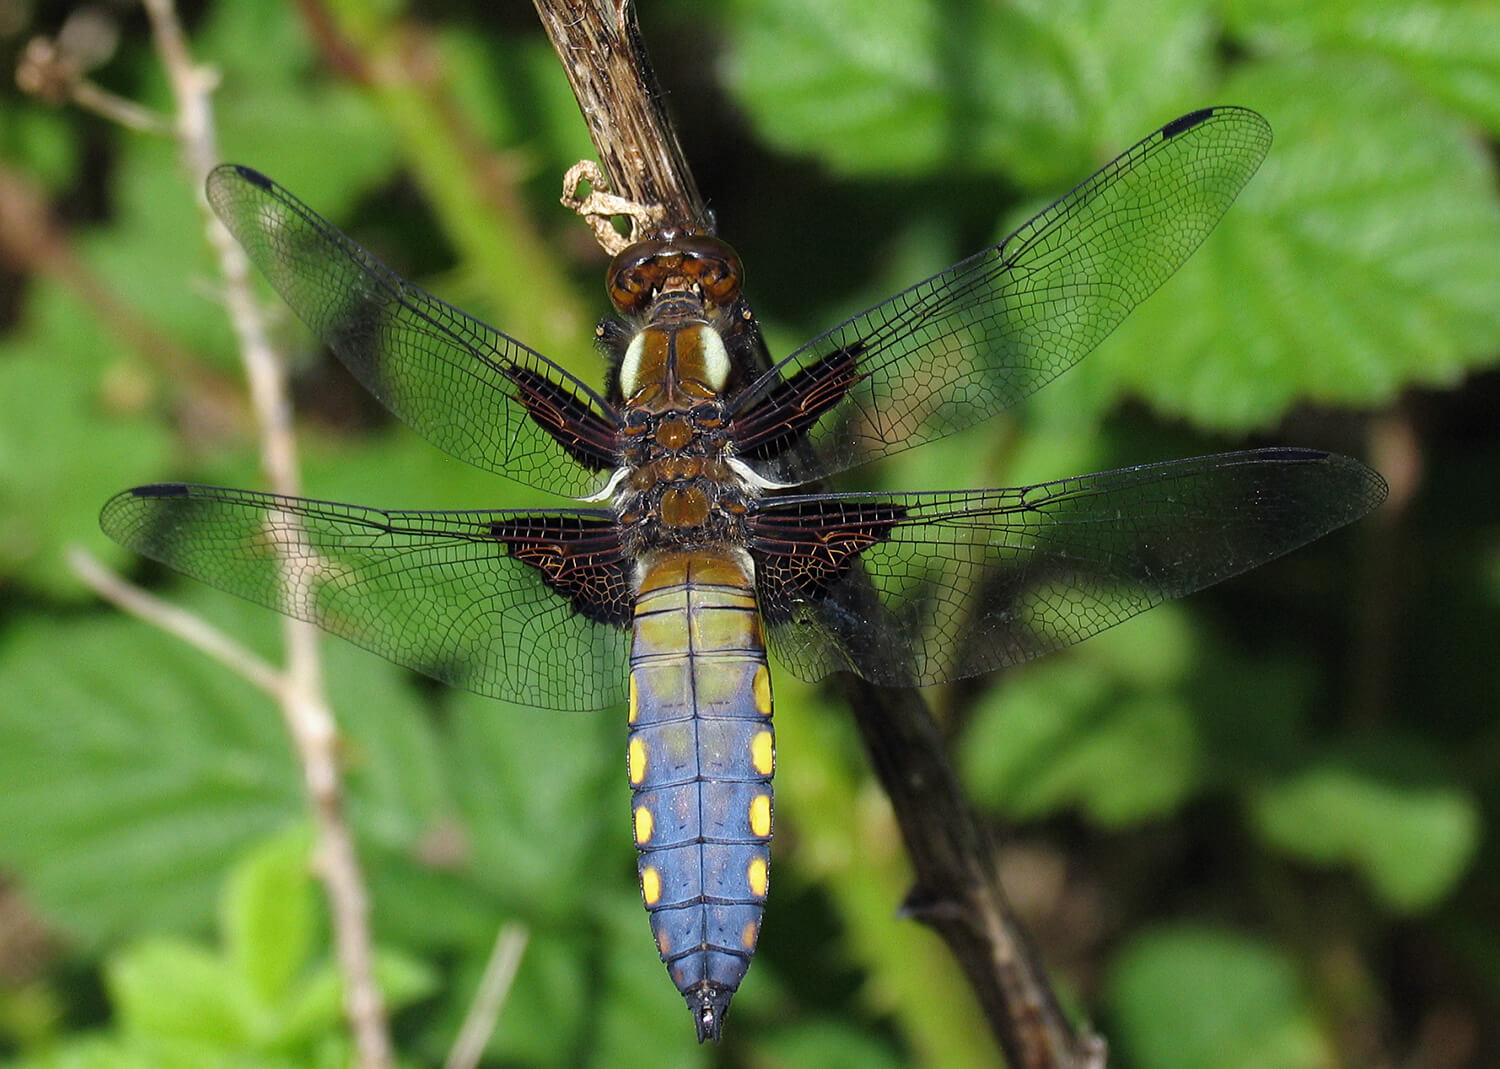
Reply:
x=701, y=755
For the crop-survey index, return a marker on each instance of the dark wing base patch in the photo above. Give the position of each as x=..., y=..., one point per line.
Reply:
x=785, y=415
x=571, y=423
x=581, y=559
x=801, y=548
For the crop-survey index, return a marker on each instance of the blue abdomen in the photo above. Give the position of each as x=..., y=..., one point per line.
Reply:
x=701, y=755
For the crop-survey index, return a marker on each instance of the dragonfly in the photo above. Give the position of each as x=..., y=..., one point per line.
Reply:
x=701, y=532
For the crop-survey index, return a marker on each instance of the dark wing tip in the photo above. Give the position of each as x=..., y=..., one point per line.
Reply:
x=120, y=516
x=1372, y=487
x=251, y=175
x=1244, y=116
x=1362, y=486
x=160, y=490
x=1359, y=486
x=228, y=172
x=1187, y=122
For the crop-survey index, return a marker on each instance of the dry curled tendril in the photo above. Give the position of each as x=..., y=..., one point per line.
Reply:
x=601, y=207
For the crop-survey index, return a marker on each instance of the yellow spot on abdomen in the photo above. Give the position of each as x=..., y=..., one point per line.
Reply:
x=762, y=689
x=749, y=935
x=760, y=815
x=634, y=706
x=763, y=752
x=635, y=760
x=755, y=875
x=651, y=884
x=644, y=825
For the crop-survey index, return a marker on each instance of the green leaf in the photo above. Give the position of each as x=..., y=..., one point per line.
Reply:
x=1412, y=842
x=397, y=469
x=272, y=113
x=154, y=1052
x=313, y=1006
x=268, y=915
x=1100, y=729
x=131, y=777
x=832, y=1045
x=70, y=435
x=829, y=75
x=545, y=800
x=403, y=979
x=154, y=257
x=31, y=1014
x=544, y=1016
x=913, y=88
x=39, y=141
x=1362, y=259
x=643, y=1010
x=1190, y=998
x=393, y=759
x=282, y=111
x=1450, y=48
x=255, y=1002
x=180, y=991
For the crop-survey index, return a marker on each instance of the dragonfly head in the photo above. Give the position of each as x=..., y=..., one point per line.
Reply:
x=676, y=263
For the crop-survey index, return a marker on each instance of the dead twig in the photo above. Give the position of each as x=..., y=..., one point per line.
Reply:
x=494, y=988
x=54, y=69
x=600, y=47
x=298, y=687
x=600, y=208
x=187, y=626
x=957, y=889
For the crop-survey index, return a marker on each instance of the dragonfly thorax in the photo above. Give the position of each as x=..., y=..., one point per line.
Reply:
x=678, y=485
x=680, y=361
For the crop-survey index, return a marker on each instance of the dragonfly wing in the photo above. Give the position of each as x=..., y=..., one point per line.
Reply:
x=958, y=347
x=525, y=606
x=470, y=390
x=938, y=586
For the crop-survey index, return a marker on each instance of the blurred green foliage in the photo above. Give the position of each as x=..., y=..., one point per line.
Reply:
x=257, y=998
x=1249, y=829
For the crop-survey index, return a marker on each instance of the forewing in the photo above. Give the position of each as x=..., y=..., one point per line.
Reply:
x=464, y=386
x=524, y=606
x=948, y=585
x=985, y=333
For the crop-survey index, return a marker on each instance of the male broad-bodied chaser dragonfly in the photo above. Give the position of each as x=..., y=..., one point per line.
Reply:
x=701, y=543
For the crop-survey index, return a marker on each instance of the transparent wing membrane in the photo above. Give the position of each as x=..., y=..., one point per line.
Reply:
x=954, y=584
x=960, y=346
x=465, y=387
x=449, y=594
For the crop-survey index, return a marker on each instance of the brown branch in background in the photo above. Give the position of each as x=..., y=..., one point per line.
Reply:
x=32, y=243
x=54, y=69
x=489, y=999
x=1396, y=450
x=300, y=694
x=176, y=621
x=957, y=891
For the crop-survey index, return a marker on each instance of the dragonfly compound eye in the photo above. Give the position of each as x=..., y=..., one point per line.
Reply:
x=676, y=263
x=714, y=266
